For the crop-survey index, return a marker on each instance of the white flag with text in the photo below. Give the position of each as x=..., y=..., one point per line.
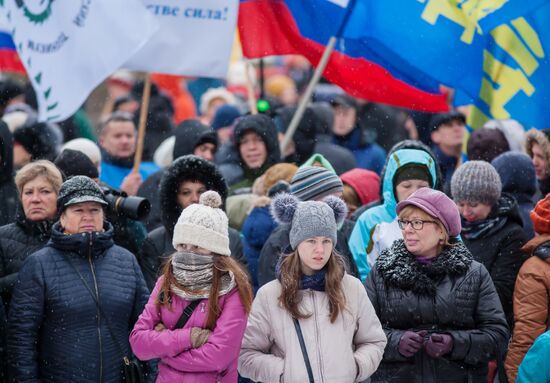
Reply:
x=194, y=39
x=69, y=47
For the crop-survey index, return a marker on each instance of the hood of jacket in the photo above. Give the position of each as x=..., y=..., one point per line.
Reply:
x=80, y=243
x=190, y=134
x=6, y=153
x=263, y=126
x=304, y=137
x=186, y=168
x=396, y=160
x=516, y=172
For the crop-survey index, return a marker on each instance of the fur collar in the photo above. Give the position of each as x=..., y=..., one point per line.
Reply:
x=399, y=269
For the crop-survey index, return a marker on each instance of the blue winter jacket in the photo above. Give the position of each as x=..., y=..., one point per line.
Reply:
x=369, y=156
x=535, y=367
x=360, y=240
x=113, y=175
x=56, y=333
x=256, y=229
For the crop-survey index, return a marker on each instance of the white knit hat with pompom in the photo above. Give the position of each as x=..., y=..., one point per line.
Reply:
x=204, y=224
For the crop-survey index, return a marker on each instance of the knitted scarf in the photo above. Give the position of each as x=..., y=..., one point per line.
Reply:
x=313, y=282
x=194, y=272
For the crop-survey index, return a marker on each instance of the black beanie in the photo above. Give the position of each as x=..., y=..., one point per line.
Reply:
x=37, y=139
x=75, y=163
x=412, y=172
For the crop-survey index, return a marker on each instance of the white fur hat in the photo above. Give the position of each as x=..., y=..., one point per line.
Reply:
x=204, y=224
x=214, y=93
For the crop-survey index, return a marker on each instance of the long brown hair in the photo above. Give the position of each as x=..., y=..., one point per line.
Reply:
x=291, y=273
x=222, y=264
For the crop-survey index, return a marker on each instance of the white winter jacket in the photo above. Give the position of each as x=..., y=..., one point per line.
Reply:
x=348, y=350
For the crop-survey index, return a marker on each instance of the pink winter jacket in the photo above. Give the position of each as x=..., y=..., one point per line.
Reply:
x=215, y=361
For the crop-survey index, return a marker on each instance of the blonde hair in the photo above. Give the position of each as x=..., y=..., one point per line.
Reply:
x=40, y=168
x=410, y=210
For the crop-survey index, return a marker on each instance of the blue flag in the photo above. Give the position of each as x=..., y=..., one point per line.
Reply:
x=454, y=43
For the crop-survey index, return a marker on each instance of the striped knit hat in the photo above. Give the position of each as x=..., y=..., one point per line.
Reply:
x=312, y=183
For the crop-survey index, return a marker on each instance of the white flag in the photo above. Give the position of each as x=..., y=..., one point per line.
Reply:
x=194, y=39
x=69, y=47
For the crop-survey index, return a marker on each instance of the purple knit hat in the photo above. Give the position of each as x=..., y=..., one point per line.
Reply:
x=436, y=204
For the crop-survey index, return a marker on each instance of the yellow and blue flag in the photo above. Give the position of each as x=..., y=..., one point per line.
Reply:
x=492, y=51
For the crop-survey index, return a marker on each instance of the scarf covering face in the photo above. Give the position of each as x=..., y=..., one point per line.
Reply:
x=194, y=272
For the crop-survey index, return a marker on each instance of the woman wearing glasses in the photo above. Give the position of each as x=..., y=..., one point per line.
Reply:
x=439, y=308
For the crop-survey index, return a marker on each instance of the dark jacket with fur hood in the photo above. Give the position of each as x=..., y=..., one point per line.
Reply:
x=541, y=137
x=189, y=134
x=453, y=295
x=158, y=245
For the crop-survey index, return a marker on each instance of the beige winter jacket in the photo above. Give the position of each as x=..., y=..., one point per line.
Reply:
x=348, y=350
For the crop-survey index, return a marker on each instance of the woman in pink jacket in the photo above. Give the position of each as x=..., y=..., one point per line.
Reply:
x=200, y=275
x=314, y=323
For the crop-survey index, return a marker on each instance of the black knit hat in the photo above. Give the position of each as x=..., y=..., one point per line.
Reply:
x=79, y=189
x=75, y=163
x=444, y=118
x=412, y=172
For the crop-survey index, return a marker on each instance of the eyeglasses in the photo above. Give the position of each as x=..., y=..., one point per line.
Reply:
x=417, y=224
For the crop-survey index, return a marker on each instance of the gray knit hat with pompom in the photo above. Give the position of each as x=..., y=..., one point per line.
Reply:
x=310, y=218
x=204, y=224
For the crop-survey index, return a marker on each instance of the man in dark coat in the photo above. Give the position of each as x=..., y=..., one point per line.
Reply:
x=8, y=191
x=191, y=137
x=202, y=175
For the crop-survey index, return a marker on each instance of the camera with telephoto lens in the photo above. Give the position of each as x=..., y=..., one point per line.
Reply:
x=121, y=204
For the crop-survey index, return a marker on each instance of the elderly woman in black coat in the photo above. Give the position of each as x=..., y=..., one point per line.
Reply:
x=77, y=299
x=38, y=184
x=438, y=306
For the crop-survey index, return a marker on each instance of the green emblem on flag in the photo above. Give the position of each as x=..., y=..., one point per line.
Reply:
x=37, y=11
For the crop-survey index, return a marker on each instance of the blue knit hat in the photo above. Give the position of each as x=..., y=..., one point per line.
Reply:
x=314, y=182
x=225, y=116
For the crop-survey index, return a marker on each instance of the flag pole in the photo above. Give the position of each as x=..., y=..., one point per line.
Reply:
x=315, y=80
x=142, y=122
x=252, y=102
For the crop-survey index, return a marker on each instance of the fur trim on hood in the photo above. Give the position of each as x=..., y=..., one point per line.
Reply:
x=186, y=168
x=541, y=137
x=399, y=269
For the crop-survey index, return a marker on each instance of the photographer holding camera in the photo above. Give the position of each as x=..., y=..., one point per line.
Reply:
x=123, y=211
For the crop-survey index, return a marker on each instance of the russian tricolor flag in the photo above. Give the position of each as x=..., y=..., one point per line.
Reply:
x=277, y=27
x=9, y=59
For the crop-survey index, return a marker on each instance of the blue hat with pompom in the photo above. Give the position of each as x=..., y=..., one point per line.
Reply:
x=310, y=218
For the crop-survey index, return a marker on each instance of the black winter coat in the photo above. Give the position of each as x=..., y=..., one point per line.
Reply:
x=8, y=192
x=158, y=247
x=56, y=332
x=17, y=241
x=453, y=295
x=499, y=251
x=278, y=243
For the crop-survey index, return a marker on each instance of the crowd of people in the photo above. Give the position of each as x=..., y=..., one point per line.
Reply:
x=383, y=245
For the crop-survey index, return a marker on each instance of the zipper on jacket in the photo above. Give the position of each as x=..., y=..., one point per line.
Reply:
x=97, y=308
x=202, y=307
x=319, y=357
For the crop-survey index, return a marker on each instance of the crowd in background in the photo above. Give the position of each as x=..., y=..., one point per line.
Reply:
x=403, y=246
